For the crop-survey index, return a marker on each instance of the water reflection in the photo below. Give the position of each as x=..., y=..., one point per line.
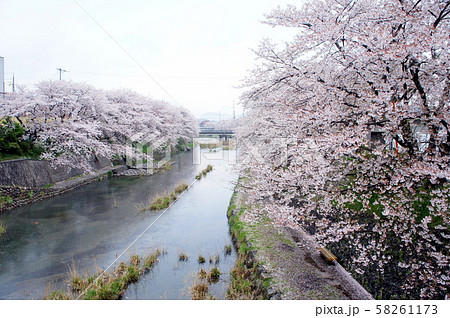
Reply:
x=93, y=224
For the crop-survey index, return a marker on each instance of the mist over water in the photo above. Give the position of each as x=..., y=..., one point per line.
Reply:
x=91, y=225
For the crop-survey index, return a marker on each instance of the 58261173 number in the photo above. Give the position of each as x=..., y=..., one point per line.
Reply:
x=407, y=310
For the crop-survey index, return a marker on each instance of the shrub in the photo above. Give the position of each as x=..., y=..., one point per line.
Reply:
x=13, y=141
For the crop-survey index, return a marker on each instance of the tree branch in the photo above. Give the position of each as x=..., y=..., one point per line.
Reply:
x=442, y=14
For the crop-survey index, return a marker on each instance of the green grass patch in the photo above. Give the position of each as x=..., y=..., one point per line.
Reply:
x=2, y=228
x=245, y=278
x=5, y=201
x=204, y=172
x=163, y=200
x=181, y=188
x=213, y=275
x=201, y=259
x=107, y=286
x=200, y=287
x=59, y=295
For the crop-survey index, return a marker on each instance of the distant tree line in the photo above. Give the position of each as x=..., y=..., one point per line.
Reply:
x=73, y=121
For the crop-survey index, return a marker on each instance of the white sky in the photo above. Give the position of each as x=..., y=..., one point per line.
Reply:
x=197, y=50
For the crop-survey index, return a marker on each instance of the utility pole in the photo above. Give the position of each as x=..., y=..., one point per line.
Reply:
x=61, y=71
x=234, y=112
x=13, y=87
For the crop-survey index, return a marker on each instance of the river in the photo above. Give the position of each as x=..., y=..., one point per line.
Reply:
x=91, y=225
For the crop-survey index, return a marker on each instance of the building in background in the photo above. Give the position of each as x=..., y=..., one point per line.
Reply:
x=2, y=75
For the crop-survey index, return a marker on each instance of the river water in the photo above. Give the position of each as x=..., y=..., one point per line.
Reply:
x=91, y=225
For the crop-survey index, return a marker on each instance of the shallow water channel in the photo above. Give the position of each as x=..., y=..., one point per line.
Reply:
x=91, y=225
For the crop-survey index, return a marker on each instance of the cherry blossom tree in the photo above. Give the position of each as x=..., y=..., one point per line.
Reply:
x=75, y=121
x=357, y=70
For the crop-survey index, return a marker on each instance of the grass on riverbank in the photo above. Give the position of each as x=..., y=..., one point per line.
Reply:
x=166, y=166
x=201, y=259
x=246, y=282
x=200, y=287
x=204, y=172
x=210, y=146
x=224, y=144
x=181, y=188
x=2, y=228
x=199, y=290
x=105, y=285
x=163, y=200
x=7, y=157
x=5, y=201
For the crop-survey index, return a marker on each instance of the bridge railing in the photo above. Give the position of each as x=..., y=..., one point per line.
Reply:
x=216, y=132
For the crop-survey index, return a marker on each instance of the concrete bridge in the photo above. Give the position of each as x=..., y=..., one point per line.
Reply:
x=222, y=133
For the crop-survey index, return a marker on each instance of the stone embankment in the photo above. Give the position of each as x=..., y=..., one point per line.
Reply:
x=26, y=181
x=289, y=258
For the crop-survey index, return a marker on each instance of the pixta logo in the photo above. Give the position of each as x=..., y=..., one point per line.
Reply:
x=213, y=149
x=265, y=151
x=141, y=155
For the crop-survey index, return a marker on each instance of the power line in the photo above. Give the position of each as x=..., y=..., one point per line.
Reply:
x=136, y=239
x=128, y=54
x=164, y=75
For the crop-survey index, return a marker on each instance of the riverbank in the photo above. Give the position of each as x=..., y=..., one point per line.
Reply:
x=25, y=181
x=12, y=196
x=284, y=262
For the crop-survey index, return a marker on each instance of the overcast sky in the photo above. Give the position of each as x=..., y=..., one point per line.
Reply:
x=192, y=53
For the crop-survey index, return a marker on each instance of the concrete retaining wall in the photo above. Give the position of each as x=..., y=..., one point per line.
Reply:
x=12, y=196
x=39, y=173
x=25, y=181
